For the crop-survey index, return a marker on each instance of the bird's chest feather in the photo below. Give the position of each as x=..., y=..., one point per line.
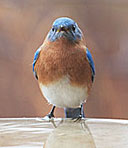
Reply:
x=62, y=94
x=60, y=59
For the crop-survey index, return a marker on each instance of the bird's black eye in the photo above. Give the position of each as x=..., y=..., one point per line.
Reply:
x=73, y=28
x=53, y=29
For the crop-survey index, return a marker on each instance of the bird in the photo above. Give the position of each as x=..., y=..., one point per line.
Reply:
x=64, y=68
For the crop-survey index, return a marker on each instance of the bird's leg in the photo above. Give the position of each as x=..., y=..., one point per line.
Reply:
x=81, y=115
x=51, y=114
x=82, y=110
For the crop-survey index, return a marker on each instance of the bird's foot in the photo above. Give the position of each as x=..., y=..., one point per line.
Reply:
x=50, y=115
x=77, y=119
x=50, y=118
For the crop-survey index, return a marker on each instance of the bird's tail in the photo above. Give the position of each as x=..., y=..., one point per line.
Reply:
x=74, y=112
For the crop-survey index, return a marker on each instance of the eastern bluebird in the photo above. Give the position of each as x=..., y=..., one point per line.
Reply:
x=64, y=67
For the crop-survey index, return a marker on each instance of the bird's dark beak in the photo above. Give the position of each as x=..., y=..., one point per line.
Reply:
x=62, y=28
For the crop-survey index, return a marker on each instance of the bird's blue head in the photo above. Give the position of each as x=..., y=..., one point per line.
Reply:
x=65, y=28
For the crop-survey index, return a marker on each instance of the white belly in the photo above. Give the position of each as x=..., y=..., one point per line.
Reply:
x=62, y=94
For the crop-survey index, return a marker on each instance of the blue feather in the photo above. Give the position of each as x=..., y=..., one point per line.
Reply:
x=89, y=57
x=34, y=61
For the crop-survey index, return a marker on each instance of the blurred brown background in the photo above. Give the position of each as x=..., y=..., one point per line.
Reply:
x=23, y=26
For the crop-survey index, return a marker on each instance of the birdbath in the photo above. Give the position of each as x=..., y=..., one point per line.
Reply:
x=63, y=133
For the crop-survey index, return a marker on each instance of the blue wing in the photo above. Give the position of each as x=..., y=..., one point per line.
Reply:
x=89, y=56
x=34, y=61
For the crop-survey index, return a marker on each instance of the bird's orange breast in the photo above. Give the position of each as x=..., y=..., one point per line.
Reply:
x=63, y=58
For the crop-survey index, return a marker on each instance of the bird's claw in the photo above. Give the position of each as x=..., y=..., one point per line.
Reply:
x=77, y=119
